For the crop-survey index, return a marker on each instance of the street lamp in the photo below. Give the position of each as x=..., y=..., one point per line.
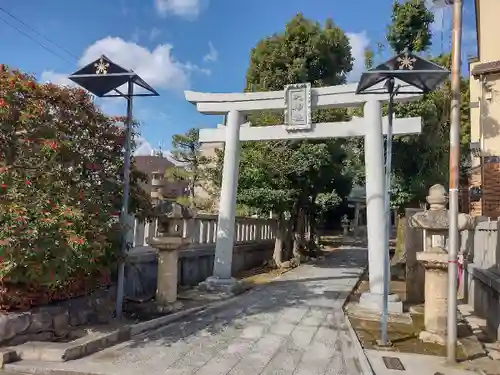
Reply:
x=103, y=78
x=422, y=76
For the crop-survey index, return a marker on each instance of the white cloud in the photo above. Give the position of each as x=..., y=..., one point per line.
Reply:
x=50, y=76
x=359, y=42
x=189, y=9
x=143, y=147
x=154, y=33
x=157, y=67
x=212, y=54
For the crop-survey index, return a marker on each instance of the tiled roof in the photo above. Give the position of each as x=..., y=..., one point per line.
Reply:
x=486, y=68
x=149, y=164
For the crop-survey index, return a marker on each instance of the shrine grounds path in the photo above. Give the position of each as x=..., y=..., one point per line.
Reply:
x=294, y=326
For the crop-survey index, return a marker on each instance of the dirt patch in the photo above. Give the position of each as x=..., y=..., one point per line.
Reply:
x=404, y=337
x=260, y=275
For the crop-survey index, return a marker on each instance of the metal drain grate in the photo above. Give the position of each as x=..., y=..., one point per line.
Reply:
x=393, y=363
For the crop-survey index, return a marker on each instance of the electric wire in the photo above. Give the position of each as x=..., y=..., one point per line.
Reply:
x=35, y=40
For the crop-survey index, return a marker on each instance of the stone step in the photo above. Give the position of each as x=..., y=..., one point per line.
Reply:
x=66, y=351
x=39, y=368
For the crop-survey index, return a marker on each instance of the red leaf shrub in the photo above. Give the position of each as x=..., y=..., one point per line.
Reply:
x=61, y=163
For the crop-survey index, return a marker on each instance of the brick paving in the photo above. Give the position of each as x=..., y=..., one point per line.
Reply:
x=294, y=325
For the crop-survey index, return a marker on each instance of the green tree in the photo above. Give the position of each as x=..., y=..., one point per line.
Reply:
x=296, y=180
x=304, y=52
x=420, y=161
x=191, y=168
x=410, y=26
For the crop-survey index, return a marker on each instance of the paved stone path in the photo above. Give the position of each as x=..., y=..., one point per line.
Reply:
x=294, y=325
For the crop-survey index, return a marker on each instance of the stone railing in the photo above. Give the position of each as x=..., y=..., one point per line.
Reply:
x=203, y=231
x=254, y=240
x=481, y=279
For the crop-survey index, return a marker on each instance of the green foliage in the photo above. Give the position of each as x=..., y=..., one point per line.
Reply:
x=369, y=56
x=422, y=160
x=293, y=176
x=192, y=164
x=61, y=178
x=410, y=26
x=304, y=52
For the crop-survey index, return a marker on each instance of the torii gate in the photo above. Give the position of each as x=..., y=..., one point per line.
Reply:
x=297, y=101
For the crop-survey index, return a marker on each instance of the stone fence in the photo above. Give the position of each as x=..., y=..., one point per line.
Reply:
x=481, y=278
x=254, y=241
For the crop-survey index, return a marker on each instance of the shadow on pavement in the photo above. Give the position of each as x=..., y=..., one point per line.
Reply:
x=322, y=284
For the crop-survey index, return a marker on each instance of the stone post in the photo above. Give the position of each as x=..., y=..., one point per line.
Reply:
x=415, y=273
x=356, y=219
x=434, y=259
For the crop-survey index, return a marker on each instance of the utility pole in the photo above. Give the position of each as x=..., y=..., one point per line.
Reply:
x=454, y=180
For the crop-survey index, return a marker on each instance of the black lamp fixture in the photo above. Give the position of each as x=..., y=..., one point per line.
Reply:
x=415, y=75
x=103, y=78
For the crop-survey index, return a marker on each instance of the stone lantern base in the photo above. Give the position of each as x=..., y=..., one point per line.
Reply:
x=375, y=302
x=436, y=295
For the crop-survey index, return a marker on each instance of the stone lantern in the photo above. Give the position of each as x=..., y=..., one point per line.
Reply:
x=434, y=258
x=345, y=225
x=171, y=238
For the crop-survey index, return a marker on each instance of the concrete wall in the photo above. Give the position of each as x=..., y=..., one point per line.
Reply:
x=254, y=242
x=195, y=265
x=481, y=278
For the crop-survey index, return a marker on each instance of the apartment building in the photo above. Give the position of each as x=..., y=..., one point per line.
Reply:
x=150, y=164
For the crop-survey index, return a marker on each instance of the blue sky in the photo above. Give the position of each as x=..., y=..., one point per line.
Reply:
x=202, y=45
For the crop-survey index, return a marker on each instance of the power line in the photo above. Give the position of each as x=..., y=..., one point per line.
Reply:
x=33, y=39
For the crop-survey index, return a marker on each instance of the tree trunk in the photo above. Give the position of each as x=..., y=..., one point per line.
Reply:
x=288, y=248
x=278, y=242
x=299, y=232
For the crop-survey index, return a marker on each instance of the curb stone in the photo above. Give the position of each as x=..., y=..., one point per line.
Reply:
x=115, y=337
x=366, y=367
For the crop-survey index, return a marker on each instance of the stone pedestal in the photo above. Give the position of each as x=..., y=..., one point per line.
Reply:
x=435, y=263
x=166, y=291
x=166, y=285
x=171, y=238
x=375, y=302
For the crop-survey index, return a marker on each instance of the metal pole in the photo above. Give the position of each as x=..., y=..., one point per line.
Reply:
x=387, y=202
x=454, y=181
x=125, y=203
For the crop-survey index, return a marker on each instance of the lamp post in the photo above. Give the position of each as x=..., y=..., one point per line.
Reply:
x=454, y=243
x=454, y=181
x=423, y=76
x=103, y=78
